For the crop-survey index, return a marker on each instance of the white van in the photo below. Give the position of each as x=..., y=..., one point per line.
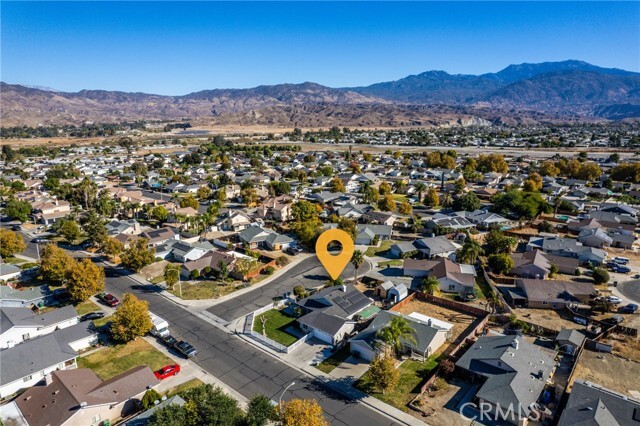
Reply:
x=160, y=326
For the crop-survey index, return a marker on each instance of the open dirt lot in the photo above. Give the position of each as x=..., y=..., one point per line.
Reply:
x=610, y=371
x=548, y=318
x=624, y=346
x=461, y=322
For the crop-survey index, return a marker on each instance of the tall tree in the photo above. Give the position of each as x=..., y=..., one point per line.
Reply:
x=301, y=412
x=138, y=255
x=430, y=285
x=397, y=331
x=85, y=280
x=18, y=209
x=10, y=243
x=357, y=260
x=55, y=264
x=94, y=228
x=70, y=230
x=470, y=251
x=383, y=372
x=131, y=319
x=260, y=411
x=432, y=199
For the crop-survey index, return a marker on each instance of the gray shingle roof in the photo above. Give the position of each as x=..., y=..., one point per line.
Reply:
x=26, y=317
x=593, y=405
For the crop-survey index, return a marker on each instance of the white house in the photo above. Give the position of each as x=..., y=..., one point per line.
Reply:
x=20, y=324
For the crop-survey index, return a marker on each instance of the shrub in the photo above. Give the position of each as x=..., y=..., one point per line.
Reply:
x=269, y=270
x=282, y=261
x=439, y=384
x=195, y=274
x=300, y=291
x=600, y=276
x=149, y=398
x=577, y=272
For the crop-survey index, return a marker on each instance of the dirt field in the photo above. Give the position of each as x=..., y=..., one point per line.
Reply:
x=548, y=318
x=610, y=371
x=461, y=322
x=624, y=346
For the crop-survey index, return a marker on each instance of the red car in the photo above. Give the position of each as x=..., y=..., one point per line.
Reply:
x=169, y=370
x=109, y=299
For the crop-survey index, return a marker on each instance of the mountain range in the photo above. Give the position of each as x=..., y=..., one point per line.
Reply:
x=526, y=93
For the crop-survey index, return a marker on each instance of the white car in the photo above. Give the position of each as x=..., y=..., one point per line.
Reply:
x=613, y=299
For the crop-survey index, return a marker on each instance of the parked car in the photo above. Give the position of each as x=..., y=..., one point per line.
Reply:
x=631, y=308
x=293, y=250
x=621, y=260
x=169, y=341
x=108, y=299
x=167, y=371
x=616, y=319
x=613, y=299
x=185, y=349
x=92, y=316
x=38, y=240
x=620, y=268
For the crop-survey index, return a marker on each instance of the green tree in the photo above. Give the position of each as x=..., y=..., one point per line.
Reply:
x=159, y=214
x=171, y=274
x=337, y=185
x=223, y=271
x=131, y=319
x=384, y=188
x=70, y=230
x=430, y=285
x=348, y=226
x=204, y=192
x=260, y=411
x=383, y=372
x=501, y=263
x=138, y=255
x=357, y=260
x=432, y=199
x=301, y=412
x=149, y=398
x=498, y=243
x=189, y=201
x=470, y=251
x=468, y=202
x=600, y=276
x=112, y=247
x=405, y=208
x=18, y=210
x=396, y=332
x=85, y=279
x=10, y=243
x=94, y=228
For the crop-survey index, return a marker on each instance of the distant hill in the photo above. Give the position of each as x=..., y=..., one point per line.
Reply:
x=529, y=92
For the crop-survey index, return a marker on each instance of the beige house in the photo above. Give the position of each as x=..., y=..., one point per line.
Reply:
x=80, y=398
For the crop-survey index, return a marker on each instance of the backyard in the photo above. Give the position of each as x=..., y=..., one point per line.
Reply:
x=610, y=371
x=113, y=360
x=275, y=323
x=412, y=374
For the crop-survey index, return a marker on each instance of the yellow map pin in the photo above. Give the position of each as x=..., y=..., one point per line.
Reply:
x=334, y=264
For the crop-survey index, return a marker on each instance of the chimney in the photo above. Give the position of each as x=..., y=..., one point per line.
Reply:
x=48, y=379
x=515, y=343
x=429, y=322
x=344, y=288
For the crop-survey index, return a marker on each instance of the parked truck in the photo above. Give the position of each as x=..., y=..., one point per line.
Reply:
x=160, y=326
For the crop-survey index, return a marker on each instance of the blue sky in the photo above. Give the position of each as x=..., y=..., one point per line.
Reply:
x=178, y=47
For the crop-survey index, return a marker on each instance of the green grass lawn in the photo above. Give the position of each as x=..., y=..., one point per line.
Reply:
x=276, y=322
x=13, y=260
x=401, y=198
x=193, y=383
x=483, y=286
x=385, y=245
x=412, y=374
x=113, y=360
x=86, y=307
x=334, y=360
x=396, y=262
x=102, y=321
x=157, y=280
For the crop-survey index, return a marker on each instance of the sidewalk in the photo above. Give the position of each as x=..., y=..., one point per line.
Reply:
x=331, y=382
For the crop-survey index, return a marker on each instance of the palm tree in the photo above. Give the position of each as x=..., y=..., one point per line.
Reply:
x=396, y=333
x=470, y=251
x=420, y=187
x=495, y=302
x=430, y=285
x=357, y=259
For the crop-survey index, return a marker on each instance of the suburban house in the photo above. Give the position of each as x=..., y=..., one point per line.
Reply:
x=9, y=271
x=48, y=212
x=330, y=313
x=126, y=227
x=12, y=298
x=379, y=218
x=549, y=294
x=567, y=247
x=21, y=324
x=185, y=252
x=453, y=277
x=143, y=418
x=427, y=248
x=235, y=221
x=276, y=208
x=159, y=236
x=513, y=373
x=428, y=333
x=79, y=397
x=592, y=404
x=212, y=260
x=454, y=222
x=485, y=219
x=257, y=237
x=537, y=264
x=26, y=364
x=366, y=234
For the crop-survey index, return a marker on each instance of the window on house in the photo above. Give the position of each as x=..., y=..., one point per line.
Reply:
x=452, y=287
x=26, y=379
x=26, y=336
x=95, y=419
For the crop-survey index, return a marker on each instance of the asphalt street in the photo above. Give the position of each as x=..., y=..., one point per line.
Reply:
x=242, y=366
x=308, y=273
x=630, y=289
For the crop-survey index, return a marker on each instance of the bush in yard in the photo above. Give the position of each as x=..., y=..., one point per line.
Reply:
x=195, y=274
x=206, y=270
x=553, y=271
x=300, y=291
x=269, y=270
x=577, y=272
x=600, y=276
x=447, y=367
x=149, y=398
x=131, y=319
x=171, y=274
x=501, y=263
x=440, y=384
x=282, y=261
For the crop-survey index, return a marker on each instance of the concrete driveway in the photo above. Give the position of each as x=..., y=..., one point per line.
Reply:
x=350, y=370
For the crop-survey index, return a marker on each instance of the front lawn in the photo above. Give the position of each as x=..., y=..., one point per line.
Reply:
x=390, y=263
x=384, y=246
x=193, y=383
x=102, y=321
x=86, y=307
x=334, y=360
x=113, y=360
x=276, y=323
x=412, y=374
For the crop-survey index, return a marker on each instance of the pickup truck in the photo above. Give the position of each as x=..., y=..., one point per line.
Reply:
x=168, y=340
x=185, y=349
